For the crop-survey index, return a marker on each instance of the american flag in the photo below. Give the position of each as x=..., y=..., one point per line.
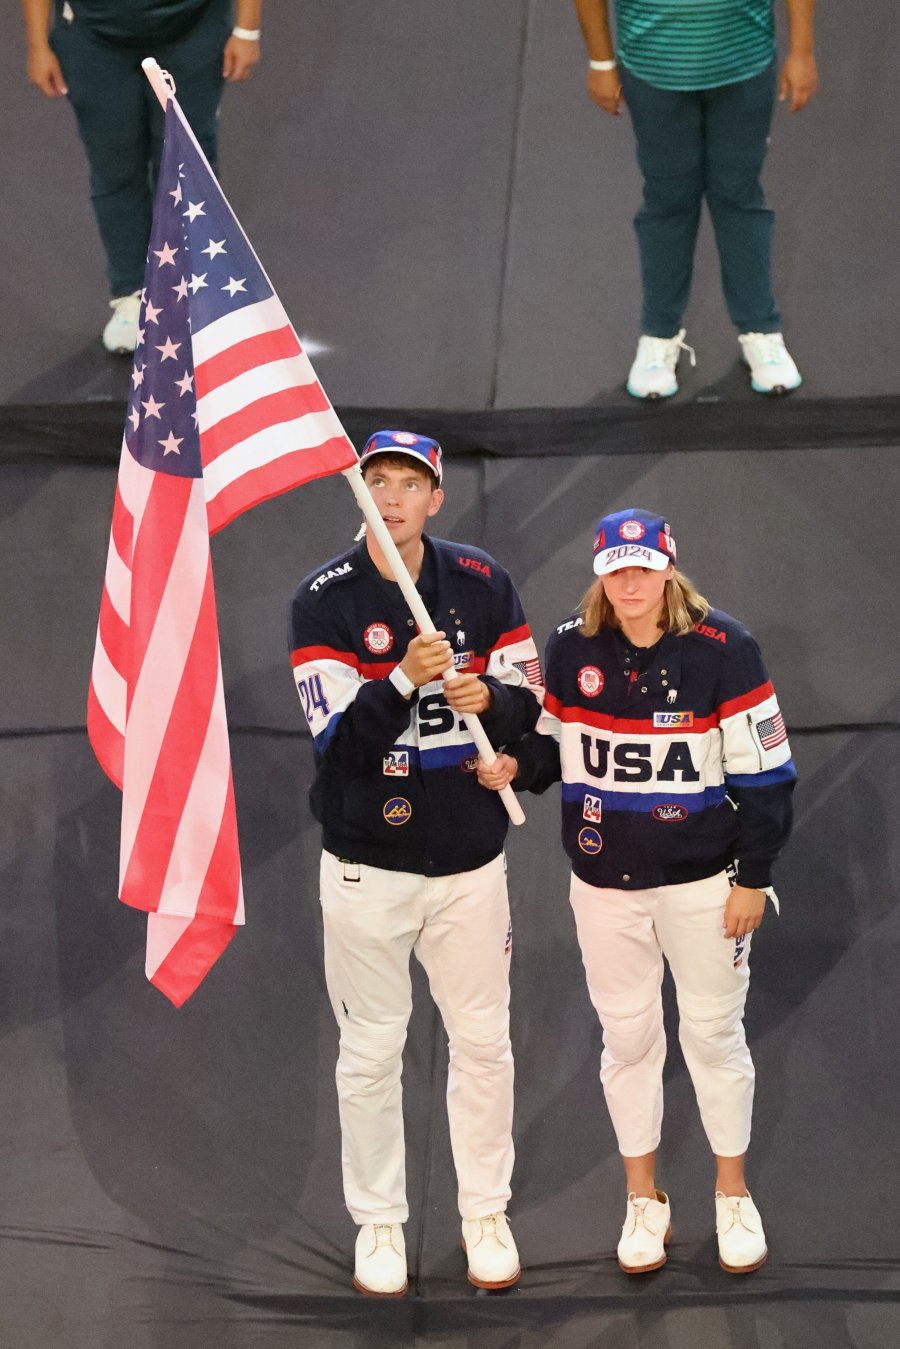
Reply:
x=225, y=410
x=531, y=669
x=772, y=731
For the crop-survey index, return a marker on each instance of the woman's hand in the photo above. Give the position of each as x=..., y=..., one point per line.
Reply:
x=744, y=911
x=498, y=774
x=605, y=90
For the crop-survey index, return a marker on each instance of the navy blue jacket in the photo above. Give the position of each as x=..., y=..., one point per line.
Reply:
x=674, y=760
x=395, y=785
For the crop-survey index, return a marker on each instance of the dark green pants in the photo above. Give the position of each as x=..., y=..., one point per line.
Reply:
x=121, y=124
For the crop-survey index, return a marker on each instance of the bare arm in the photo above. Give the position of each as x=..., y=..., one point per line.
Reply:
x=603, y=85
x=242, y=54
x=799, y=76
x=43, y=68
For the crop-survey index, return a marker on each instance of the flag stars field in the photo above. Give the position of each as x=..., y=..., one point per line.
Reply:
x=166, y=255
x=181, y=289
x=169, y=350
x=152, y=408
x=171, y=444
x=186, y=385
x=234, y=286
x=151, y=313
x=195, y=209
x=214, y=248
x=197, y=282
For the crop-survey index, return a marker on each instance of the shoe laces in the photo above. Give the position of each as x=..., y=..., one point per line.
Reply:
x=489, y=1229
x=663, y=351
x=768, y=348
x=384, y=1235
x=735, y=1213
x=639, y=1218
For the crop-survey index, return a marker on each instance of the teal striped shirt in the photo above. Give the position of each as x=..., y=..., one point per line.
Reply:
x=695, y=44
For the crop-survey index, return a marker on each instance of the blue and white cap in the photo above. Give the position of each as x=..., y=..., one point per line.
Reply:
x=632, y=538
x=427, y=452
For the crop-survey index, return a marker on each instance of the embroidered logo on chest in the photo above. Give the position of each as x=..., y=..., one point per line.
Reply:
x=378, y=638
x=590, y=681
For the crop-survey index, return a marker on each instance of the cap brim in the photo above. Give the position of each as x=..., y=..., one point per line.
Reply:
x=404, y=450
x=632, y=555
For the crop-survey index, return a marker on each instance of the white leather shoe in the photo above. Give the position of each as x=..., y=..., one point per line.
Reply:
x=652, y=373
x=380, y=1260
x=772, y=367
x=647, y=1228
x=491, y=1252
x=121, y=332
x=742, y=1241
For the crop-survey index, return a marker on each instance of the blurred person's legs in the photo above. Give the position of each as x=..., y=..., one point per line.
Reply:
x=121, y=126
x=737, y=119
x=668, y=128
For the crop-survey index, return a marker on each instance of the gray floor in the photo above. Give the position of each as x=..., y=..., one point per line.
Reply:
x=443, y=211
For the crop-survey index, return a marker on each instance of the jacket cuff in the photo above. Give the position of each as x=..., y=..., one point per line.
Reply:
x=756, y=874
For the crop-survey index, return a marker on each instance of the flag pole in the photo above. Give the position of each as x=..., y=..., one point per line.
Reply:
x=374, y=521
x=423, y=619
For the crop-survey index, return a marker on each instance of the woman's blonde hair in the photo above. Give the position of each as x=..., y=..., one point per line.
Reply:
x=683, y=607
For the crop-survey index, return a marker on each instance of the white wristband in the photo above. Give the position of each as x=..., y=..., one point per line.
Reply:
x=247, y=34
x=602, y=65
x=402, y=682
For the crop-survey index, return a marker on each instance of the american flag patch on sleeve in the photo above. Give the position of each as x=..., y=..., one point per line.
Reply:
x=531, y=669
x=771, y=731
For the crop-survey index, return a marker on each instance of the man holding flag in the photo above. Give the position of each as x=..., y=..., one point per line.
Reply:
x=413, y=848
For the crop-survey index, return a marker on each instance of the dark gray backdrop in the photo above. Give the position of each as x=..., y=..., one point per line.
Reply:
x=438, y=203
x=171, y=1179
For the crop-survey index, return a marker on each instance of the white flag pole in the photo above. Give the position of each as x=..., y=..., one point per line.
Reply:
x=164, y=91
x=423, y=619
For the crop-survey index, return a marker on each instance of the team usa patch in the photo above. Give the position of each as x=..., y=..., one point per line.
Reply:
x=590, y=681
x=589, y=841
x=463, y=659
x=670, y=811
x=631, y=530
x=378, y=638
x=469, y=763
x=593, y=808
x=397, y=810
x=670, y=720
x=396, y=763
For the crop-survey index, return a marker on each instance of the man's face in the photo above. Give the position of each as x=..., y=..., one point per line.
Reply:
x=405, y=497
x=636, y=592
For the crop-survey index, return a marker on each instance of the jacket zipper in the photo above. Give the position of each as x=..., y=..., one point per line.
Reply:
x=753, y=738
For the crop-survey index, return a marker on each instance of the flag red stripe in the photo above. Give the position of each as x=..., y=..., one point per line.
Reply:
x=304, y=654
x=221, y=885
x=247, y=355
x=521, y=634
x=106, y=742
x=122, y=528
x=273, y=408
x=279, y=476
x=191, y=958
x=154, y=551
x=635, y=726
x=115, y=636
x=173, y=773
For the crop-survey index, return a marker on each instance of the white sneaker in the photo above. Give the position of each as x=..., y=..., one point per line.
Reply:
x=647, y=1228
x=772, y=368
x=742, y=1241
x=491, y=1252
x=120, y=333
x=380, y=1260
x=652, y=373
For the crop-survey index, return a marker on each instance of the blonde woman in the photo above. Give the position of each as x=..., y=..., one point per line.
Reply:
x=676, y=772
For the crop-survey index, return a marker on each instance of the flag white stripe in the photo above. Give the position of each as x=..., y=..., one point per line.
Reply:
x=109, y=686
x=302, y=433
x=245, y=389
x=118, y=583
x=135, y=484
x=201, y=818
x=163, y=932
x=163, y=667
x=264, y=317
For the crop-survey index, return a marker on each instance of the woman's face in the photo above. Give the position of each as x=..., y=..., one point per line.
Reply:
x=636, y=593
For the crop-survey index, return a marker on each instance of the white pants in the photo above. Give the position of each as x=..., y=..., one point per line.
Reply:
x=459, y=928
x=624, y=935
